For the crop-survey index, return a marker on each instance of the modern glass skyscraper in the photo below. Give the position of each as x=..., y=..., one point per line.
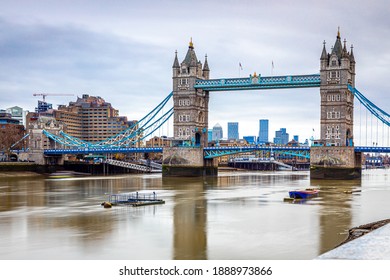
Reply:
x=209, y=135
x=281, y=137
x=217, y=132
x=263, y=132
x=233, y=130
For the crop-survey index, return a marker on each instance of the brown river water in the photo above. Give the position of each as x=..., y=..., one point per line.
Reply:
x=237, y=215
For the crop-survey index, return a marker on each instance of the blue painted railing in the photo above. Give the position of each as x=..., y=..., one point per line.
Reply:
x=209, y=152
x=258, y=82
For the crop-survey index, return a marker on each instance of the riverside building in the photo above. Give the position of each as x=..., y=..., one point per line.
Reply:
x=91, y=118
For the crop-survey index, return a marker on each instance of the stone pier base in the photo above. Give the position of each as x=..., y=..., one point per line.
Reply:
x=187, y=162
x=341, y=163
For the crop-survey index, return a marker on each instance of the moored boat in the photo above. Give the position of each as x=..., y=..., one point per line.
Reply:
x=303, y=194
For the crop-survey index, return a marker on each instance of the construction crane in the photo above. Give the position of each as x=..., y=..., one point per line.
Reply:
x=51, y=94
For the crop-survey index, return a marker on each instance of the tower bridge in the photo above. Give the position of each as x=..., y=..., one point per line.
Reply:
x=334, y=152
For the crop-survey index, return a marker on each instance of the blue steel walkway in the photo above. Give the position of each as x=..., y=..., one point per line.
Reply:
x=209, y=151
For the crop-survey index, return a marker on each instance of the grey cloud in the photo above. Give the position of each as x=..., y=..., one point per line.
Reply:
x=58, y=59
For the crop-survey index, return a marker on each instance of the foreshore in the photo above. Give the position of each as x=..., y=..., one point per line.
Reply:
x=11, y=174
x=366, y=242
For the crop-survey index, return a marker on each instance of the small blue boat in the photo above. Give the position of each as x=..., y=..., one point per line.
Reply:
x=303, y=194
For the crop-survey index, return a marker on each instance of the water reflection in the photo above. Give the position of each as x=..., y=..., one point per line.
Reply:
x=233, y=216
x=189, y=217
x=335, y=214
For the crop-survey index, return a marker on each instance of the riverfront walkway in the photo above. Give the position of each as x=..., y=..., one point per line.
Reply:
x=374, y=245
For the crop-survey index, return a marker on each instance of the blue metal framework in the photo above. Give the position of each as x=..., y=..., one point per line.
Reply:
x=372, y=149
x=210, y=152
x=258, y=82
x=375, y=110
x=127, y=138
x=86, y=151
x=213, y=152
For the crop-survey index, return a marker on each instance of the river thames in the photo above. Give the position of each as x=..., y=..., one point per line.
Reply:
x=235, y=216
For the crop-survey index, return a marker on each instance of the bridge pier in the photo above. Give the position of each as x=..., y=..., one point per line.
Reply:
x=335, y=163
x=187, y=162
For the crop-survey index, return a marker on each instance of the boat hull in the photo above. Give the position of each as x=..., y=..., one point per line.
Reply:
x=303, y=194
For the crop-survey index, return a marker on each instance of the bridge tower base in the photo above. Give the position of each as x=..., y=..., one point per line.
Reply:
x=334, y=162
x=187, y=162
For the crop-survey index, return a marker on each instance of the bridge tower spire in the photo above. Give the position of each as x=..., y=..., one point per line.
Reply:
x=190, y=119
x=190, y=104
x=337, y=71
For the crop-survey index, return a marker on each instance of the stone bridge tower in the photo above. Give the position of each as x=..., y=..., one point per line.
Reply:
x=337, y=72
x=334, y=156
x=190, y=124
x=190, y=105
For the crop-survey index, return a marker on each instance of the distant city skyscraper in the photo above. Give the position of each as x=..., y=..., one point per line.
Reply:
x=281, y=137
x=210, y=135
x=263, y=132
x=233, y=130
x=250, y=139
x=296, y=138
x=217, y=132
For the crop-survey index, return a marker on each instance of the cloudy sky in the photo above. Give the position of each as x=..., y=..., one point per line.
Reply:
x=123, y=51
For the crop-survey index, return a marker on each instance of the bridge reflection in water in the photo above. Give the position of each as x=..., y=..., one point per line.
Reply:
x=237, y=215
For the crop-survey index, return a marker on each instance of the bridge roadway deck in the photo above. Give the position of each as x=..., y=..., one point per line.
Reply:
x=206, y=149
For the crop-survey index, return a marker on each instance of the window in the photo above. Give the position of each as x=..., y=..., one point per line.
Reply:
x=184, y=102
x=184, y=81
x=184, y=118
x=333, y=74
x=337, y=132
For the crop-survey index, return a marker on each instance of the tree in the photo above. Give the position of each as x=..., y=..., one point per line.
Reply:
x=9, y=135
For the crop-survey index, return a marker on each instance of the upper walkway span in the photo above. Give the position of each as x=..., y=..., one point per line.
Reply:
x=258, y=82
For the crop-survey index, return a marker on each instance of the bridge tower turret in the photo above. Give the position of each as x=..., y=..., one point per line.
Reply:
x=334, y=157
x=190, y=120
x=337, y=70
x=190, y=105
